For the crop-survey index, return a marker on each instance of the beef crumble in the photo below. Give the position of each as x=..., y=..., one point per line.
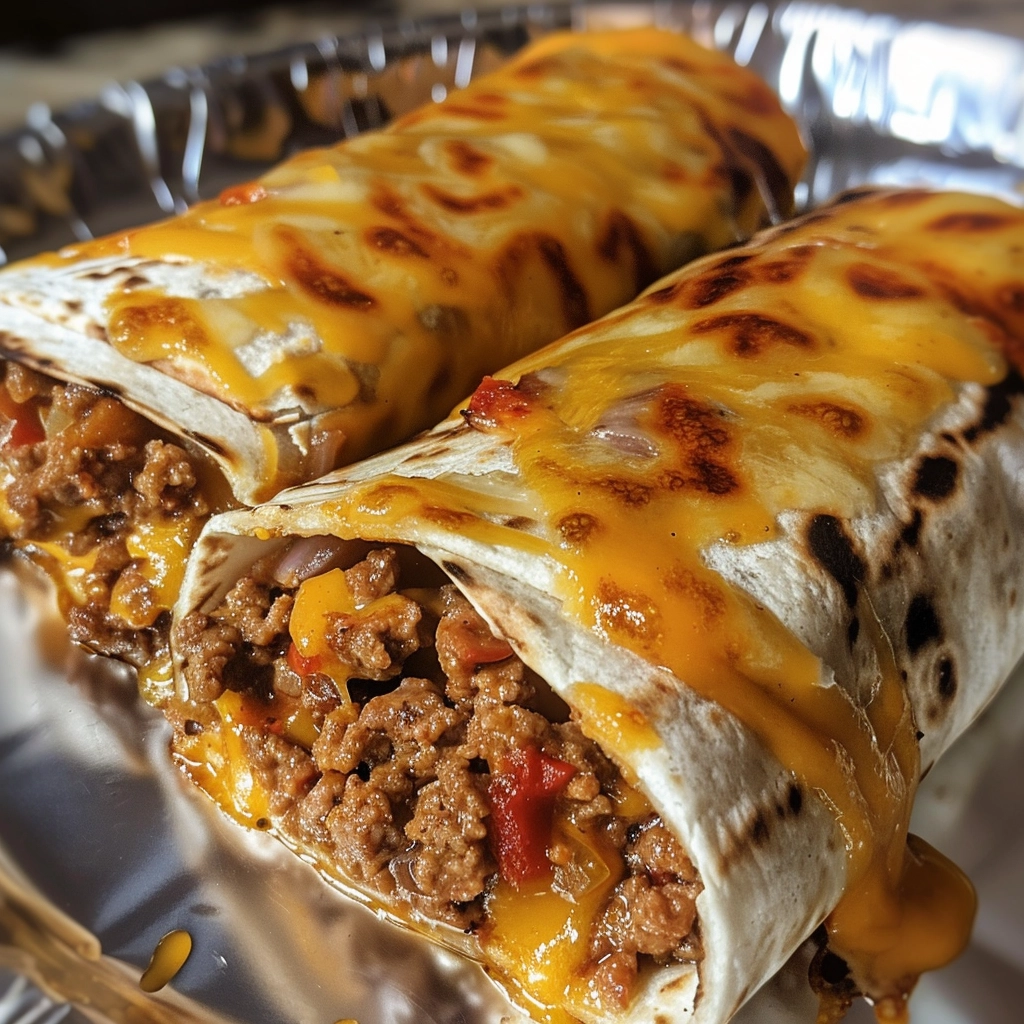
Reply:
x=80, y=474
x=387, y=774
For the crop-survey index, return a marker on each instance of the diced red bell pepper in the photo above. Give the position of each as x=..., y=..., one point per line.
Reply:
x=242, y=195
x=522, y=793
x=22, y=425
x=302, y=665
x=477, y=645
x=495, y=402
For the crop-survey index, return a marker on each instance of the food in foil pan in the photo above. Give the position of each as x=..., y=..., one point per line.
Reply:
x=350, y=297
x=229, y=743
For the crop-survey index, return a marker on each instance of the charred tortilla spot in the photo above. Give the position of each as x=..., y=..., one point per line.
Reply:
x=702, y=435
x=698, y=426
x=627, y=613
x=684, y=67
x=518, y=522
x=702, y=592
x=911, y=532
x=759, y=829
x=968, y=222
x=666, y=294
x=135, y=321
x=631, y=493
x=736, y=260
x=714, y=478
x=998, y=406
x=853, y=195
x=449, y=276
x=853, y=631
x=447, y=516
x=839, y=420
x=389, y=203
x=707, y=289
x=391, y=240
x=577, y=528
x=752, y=333
x=418, y=456
x=392, y=205
x=936, y=477
x=457, y=572
x=872, y=282
x=833, y=550
x=484, y=202
x=321, y=281
x=947, y=679
x=781, y=271
x=622, y=233
x=922, y=625
x=575, y=303
x=467, y=159
x=796, y=798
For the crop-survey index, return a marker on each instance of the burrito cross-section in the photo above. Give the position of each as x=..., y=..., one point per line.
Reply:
x=628, y=670
x=351, y=297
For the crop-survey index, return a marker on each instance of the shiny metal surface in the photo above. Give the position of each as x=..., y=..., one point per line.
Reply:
x=103, y=846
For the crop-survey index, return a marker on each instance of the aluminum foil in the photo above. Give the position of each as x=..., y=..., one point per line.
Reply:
x=104, y=847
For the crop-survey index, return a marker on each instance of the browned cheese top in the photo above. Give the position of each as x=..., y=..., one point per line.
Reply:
x=390, y=271
x=778, y=377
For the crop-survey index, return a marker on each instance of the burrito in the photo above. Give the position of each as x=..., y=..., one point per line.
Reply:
x=622, y=678
x=351, y=297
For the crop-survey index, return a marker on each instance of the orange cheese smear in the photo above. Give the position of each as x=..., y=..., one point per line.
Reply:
x=168, y=958
x=774, y=378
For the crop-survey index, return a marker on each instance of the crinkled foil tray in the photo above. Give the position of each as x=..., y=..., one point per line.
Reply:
x=103, y=848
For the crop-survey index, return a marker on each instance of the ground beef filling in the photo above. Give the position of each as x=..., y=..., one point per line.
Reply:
x=394, y=784
x=81, y=471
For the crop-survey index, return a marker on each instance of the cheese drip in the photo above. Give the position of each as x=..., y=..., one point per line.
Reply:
x=774, y=379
